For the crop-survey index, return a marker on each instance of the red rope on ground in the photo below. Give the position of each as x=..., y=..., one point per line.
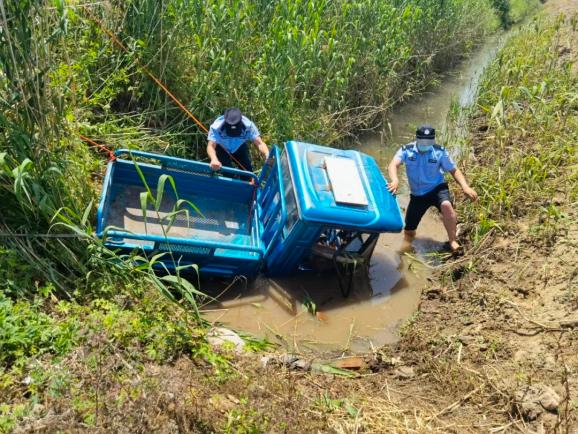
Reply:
x=111, y=156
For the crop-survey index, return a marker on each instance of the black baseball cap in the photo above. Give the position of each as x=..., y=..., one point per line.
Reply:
x=233, y=122
x=425, y=135
x=233, y=116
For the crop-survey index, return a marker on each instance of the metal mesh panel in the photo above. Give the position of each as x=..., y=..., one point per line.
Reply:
x=222, y=220
x=184, y=169
x=195, y=219
x=183, y=248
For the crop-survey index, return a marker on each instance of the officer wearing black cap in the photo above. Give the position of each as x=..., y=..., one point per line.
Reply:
x=426, y=162
x=228, y=137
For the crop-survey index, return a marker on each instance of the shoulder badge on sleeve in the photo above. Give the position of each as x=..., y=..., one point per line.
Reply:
x=408, y=146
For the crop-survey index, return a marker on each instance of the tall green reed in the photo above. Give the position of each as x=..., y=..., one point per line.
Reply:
x=47, y=191
x=316, y=70
x=35, y=172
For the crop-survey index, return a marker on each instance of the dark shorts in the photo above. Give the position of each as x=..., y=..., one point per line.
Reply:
x=241, y=155
x=418, y=205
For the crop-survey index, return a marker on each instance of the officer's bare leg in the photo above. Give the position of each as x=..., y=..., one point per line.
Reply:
x=408, y=235
x=450, y=220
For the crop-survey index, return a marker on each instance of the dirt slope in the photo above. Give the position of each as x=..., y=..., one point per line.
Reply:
x=556, y=7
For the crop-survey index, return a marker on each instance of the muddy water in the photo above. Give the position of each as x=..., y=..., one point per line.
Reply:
x=388, y=295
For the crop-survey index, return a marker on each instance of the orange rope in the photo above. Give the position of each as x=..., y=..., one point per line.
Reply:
x=146, y=70
x=111, y=156
x=160, y=84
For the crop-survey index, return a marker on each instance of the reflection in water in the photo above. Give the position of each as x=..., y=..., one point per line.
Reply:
x=379, y=302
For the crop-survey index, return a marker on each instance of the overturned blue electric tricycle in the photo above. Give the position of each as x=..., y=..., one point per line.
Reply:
x=309, y=200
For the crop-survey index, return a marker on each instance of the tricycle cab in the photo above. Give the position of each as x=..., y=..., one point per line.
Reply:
x=327, y=189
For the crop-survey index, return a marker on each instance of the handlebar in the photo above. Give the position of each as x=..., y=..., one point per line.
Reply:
x=184, y=163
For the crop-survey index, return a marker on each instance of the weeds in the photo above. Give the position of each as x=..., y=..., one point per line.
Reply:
x=309, y=304
x=246, y=420
x=526, y=100
x=103, y=340
x=25, y=331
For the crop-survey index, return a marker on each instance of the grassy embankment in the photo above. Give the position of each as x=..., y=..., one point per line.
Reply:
x=76, y=322
x=525, y=136
x=495, y=339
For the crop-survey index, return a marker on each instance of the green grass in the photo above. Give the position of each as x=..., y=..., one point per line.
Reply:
x=25, y=331
x=522, y=9
x=524, y=164
x=54, y=349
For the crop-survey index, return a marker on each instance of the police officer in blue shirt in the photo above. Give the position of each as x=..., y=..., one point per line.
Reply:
x=426, y=162
x=228, y=137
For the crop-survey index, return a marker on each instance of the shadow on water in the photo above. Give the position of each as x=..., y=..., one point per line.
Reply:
x=307, y=311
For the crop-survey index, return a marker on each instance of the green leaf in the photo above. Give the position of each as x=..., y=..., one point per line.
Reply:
x=160, y=190
x=182, y=202
x=183, y=283
x=143, y=206
x=86, y=214
x=498, y=112
x=328, y=369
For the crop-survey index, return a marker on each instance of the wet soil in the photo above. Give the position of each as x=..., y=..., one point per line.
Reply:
x=307, y=313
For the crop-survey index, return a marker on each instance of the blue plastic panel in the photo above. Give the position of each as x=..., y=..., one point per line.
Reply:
x=315, y=197
x=271, y=204
x=240, y=227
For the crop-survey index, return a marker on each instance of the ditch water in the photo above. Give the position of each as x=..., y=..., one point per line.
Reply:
x=381, y=301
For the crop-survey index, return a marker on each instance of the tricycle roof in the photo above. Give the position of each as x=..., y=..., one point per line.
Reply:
x=341, y=188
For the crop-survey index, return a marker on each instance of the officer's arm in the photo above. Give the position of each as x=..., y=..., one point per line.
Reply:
x=461, y=180
x=262, y=146
x=212, y=153
x=392, y=171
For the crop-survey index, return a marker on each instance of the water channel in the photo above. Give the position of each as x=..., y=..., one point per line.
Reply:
x=380, y=302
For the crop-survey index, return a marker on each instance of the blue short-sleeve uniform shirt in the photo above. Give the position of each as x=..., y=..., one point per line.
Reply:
x=425, y=171
x=218, y=134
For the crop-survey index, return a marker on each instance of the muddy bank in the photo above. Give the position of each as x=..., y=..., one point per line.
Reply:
x=496, y=334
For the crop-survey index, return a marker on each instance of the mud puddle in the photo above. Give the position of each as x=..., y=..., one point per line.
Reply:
x=307, y=312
